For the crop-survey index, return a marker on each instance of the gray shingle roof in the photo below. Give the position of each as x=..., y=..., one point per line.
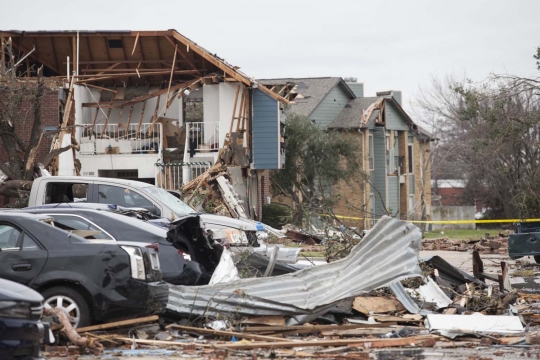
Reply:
x=351, y=115
x=312, y=91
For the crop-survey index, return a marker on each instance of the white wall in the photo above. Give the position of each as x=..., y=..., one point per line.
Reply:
x=227, y=93
x=143, y=163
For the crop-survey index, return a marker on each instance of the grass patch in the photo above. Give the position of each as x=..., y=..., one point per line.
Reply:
x=523, y=273
x=312, y=254
x=460, y=234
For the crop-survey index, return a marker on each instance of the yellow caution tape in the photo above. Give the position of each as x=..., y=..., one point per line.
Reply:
x=449, y=222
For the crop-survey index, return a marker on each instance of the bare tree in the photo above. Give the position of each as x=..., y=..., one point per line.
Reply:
x=20, y=107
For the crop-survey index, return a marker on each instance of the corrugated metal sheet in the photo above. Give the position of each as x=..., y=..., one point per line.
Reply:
x=387, y=254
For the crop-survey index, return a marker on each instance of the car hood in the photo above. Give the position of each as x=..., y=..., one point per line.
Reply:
x=224, y=221
x=12, y=291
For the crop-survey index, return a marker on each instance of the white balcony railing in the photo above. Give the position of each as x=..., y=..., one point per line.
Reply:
x=201, y=137
x=108, y=139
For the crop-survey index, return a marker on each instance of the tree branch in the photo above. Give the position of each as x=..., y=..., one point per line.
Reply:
x=48, y=158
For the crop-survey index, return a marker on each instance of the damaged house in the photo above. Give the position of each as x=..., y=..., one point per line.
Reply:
x=395, y=149
x=154, y=106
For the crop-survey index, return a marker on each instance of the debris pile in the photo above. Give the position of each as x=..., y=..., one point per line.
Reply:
x=497, y=245
x=380, y=299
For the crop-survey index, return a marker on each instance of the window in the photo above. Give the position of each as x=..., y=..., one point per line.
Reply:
x=57, y=192
x=371, y=152
x=11, y=239
x=121, y=196
x=411, y=207
x=29, y=244
x=72, y=222
x=410, y=156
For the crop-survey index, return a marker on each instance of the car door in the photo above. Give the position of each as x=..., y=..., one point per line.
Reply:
x=21, y=257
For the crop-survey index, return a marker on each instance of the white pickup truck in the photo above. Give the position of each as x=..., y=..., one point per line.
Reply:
x=131, y=193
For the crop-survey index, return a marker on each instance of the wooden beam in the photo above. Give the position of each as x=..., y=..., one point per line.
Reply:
x=112, y=69
x=99, y=88
x=138, y=133
x=118, y=324
x=113, y=97
x=95, y=117
x=89, y=78
x=154, y=117
x=35, y=55
x=102, y=71
x=226, y=333
x=135, y=45
x=160, y=92
x=74, y=52
x=160, y=342
x=184, y=56
x=170, y=81
x=98, y=62
x=127, y=124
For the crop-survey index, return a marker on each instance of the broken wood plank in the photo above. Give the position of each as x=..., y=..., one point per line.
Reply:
x=170, y=81
x=135, y=44
x=225, y=333
x=303, y=329
x=160, y=342
x=116, y=324
x=360, y=331
x=265, y=320
x=336, y=342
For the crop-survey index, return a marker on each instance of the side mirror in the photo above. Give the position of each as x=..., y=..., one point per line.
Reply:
x=154, y=210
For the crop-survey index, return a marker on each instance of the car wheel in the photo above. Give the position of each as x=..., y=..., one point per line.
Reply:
x=71, y=301
x=537, y=259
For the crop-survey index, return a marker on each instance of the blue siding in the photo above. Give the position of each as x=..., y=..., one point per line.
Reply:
x=378, y=175
x=394, y=121
x=330, y=107
x=265, y=131
x=393, y=194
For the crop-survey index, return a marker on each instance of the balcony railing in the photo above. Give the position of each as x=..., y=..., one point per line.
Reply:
x=109, y=139
x=201, y=137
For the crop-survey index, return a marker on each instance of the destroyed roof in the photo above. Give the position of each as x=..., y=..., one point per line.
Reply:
x=351, y=115
x=311, y=91
x=146, y=55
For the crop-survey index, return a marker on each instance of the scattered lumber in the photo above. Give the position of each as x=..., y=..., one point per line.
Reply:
x=118, y=324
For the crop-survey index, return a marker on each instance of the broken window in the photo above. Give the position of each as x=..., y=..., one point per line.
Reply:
x=72, y=222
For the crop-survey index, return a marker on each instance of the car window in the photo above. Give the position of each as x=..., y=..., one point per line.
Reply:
x=58, y=192
x=29, y=244
x=9, y=238
x=109, y=194
x=70, y=222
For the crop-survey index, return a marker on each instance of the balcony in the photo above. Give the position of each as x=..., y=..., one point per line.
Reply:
x=201, y=138
x=109, y=139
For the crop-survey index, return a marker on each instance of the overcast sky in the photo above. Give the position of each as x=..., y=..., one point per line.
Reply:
x=385, y=44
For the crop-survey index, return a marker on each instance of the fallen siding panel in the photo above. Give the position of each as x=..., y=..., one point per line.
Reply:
x=387, y=254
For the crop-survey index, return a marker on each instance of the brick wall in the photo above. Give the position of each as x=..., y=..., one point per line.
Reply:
x=24, y=122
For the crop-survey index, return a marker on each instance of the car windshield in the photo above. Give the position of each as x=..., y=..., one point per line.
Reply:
x=176, y=205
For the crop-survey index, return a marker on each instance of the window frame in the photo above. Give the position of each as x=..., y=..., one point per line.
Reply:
x=87, y=220
x=20, y=238
x=410, y=155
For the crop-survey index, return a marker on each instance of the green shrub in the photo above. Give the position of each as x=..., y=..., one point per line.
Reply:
x=276, y=215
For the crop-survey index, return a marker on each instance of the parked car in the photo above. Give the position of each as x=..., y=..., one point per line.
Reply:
x=130, y=193
x=108, y=223
x=93, y=282
x=21, y=331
